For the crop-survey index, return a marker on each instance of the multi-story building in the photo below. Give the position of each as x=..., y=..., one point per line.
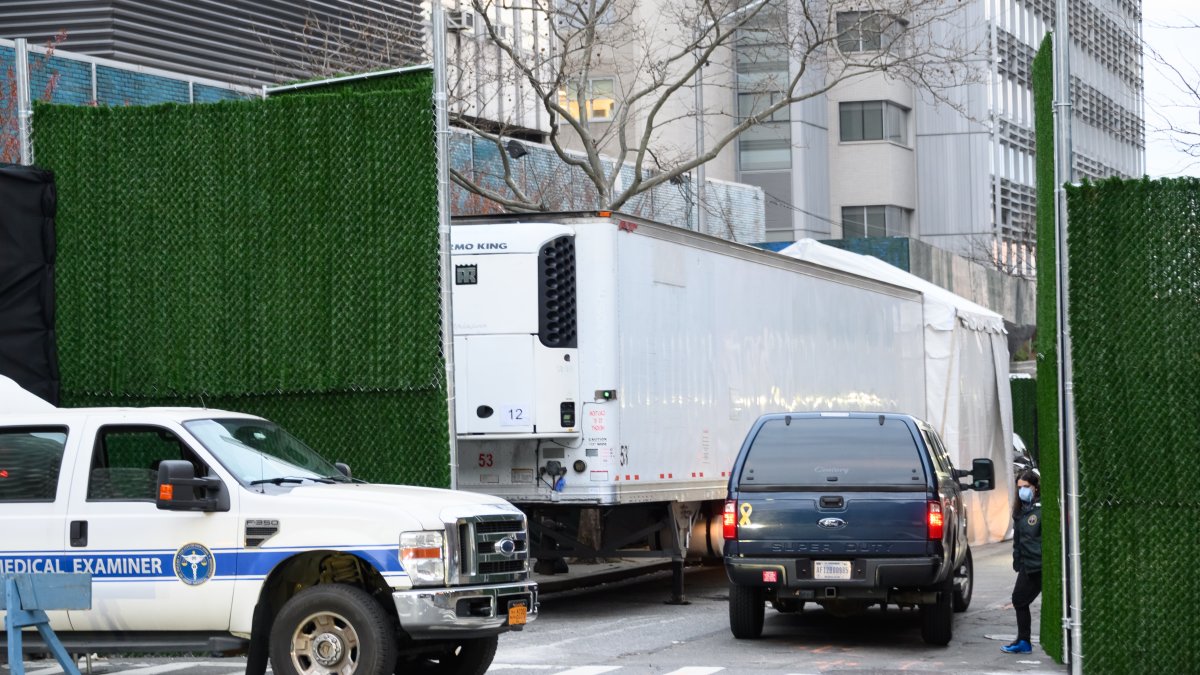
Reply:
x=245, y=42
x=877, y=156
x=873, y=156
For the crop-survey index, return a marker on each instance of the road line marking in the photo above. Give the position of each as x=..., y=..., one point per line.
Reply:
x=695, y=670
x=162, y=668
x=45, y=671
x=589, y=670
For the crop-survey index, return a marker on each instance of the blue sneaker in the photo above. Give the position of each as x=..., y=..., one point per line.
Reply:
x=1018, y=647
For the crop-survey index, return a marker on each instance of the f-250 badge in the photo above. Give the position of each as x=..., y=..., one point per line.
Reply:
x=194, y=564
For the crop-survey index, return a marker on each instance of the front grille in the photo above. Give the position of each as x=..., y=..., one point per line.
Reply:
x=492, y=549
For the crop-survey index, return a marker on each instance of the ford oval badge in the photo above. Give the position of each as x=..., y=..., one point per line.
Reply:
x=506, y=547
x=831, y=523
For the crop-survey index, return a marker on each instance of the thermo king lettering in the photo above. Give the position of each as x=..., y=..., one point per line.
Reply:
x=483, y=246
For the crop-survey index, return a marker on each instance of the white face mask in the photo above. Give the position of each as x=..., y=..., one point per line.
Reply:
x=1025, y=493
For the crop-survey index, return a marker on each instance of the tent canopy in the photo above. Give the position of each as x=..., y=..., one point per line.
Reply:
x=967, y=395
x=14, y=399
x=942, y=308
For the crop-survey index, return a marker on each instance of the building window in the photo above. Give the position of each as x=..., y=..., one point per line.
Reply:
x=597, y=98
x=762, y=77
x=868, y=31
x=875, y=221
x=765, y=147
x=874, y=121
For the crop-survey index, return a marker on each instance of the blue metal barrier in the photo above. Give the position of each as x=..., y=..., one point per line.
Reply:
x=26, y=599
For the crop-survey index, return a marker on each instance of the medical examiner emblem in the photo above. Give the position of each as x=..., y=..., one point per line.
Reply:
x=194, y=564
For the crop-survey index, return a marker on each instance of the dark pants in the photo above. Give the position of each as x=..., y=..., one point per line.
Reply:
x=1028, y=587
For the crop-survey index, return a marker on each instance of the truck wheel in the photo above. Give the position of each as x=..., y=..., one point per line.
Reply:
x=964, y=583
x=746, y=611
x=467, y=657
x=332, y=628
x=937, y=618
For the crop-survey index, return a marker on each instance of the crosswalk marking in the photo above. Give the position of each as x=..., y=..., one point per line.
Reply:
x=103, y=667
x=163, y=668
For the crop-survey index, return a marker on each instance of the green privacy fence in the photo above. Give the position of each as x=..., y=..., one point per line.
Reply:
x=1134, y=316
x=1135, y=320
x=277, y=257
x=1024, y=407
x=1047, y=354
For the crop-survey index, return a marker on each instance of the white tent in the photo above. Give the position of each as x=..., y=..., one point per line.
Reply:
x=967, y=394
x=14, y=399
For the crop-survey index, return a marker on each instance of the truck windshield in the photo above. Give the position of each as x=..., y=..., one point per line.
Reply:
x=258, y=451
x=833, y=452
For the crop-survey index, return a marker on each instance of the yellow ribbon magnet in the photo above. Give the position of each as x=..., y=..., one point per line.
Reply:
x=746, y=510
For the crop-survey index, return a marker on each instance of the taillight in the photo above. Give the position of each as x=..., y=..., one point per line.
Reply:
x=935, y=520
x=729, y=519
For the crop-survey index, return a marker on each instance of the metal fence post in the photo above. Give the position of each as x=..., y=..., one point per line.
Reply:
x=442, y=135
x=24, y=107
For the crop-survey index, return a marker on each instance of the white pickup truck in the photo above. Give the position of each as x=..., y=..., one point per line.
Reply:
x=221, y=532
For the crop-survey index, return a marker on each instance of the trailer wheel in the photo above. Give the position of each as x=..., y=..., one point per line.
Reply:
x=937, y=618
x=746, y=611
x=332, y=628
x=466, y=657
x=964, y=583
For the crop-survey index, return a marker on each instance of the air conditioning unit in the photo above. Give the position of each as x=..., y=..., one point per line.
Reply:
x=501, y=31
x=460, y=21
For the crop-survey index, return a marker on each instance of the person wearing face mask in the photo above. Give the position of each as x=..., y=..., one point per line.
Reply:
x=1027, y=557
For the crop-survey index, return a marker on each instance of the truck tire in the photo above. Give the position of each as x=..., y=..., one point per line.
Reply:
x=466, y=657
x=332, y=628
x=747, y=609
x=937, y=618
x=964, y=583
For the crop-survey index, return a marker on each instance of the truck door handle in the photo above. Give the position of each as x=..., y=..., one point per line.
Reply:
x=78, y=533
x=832, y=502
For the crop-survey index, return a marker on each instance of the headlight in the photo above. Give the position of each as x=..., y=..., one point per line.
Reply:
x=423, y=557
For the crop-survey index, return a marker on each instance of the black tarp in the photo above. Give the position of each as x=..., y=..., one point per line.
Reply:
x=28, y=348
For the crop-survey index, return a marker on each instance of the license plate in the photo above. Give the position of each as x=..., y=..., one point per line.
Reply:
x=831, y=569
x=516, y=614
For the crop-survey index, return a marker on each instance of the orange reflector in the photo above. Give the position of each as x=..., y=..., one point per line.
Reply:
x=166, y=492
x=420, y=553
x=936, y=521
x=605, y=214
x=729, y=519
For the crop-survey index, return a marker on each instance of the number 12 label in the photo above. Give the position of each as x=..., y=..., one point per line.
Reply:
x=515, y=416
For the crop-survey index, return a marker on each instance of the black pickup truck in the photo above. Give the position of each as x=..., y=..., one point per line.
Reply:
x=848, y=510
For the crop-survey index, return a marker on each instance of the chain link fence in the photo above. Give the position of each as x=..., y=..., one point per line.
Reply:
x=278, y=257
x=1134, y=317
x=1024, y=406
x=1053, y=575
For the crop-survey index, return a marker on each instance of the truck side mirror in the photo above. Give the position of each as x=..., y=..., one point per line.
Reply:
x=983, y=474
x=176, y=489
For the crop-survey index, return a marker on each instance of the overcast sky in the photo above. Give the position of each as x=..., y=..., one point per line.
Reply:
x=1162, y=27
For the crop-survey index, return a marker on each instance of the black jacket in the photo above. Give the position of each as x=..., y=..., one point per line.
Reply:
x=1027, y=538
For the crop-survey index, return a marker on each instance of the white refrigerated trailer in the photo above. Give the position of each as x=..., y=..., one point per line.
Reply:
x=610, y=366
